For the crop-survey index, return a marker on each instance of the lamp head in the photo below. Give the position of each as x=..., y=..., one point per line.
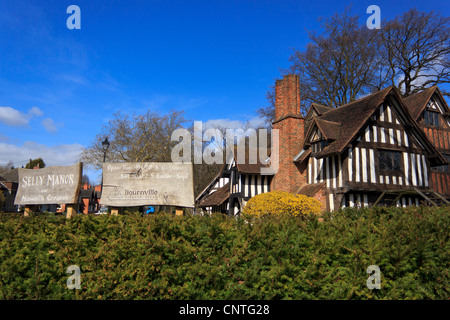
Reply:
x=105, y=144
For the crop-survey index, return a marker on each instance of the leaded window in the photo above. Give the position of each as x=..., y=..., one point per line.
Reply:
x=389, y=160
x=431, y=118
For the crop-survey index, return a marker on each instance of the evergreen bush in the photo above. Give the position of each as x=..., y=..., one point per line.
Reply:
x=274, y=257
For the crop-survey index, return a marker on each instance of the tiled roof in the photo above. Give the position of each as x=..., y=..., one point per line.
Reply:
x=11, y=175
x=251, y=168
x=303, y=155
x=310, y=189
x=314, y=111
x=213, y=181
x=417, y=102
x=217, y=197
x=329, y=129
x=351, y=118
x=321, y=109
x=87, y=193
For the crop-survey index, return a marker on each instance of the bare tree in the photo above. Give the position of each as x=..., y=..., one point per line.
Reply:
x=337, y=66
x=268, y=112
x=347, y=61
x=340, y=64
x=135, y=138
x=248, y=137
x=144, y=137
x=7, y=167
x=417, y=45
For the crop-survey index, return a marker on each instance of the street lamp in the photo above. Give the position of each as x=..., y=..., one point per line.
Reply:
x=105, y=146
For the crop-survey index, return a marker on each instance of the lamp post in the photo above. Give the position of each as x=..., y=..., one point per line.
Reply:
x=105, y=146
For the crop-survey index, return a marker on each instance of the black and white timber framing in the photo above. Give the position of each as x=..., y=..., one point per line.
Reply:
x=389, y=159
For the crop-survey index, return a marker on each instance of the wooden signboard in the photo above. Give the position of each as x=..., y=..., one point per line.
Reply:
x=50, y=185
x=148, y=183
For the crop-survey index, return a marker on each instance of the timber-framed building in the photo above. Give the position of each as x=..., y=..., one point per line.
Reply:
x=382, y=149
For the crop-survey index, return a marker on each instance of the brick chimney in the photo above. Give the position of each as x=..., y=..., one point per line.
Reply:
x=290, y=123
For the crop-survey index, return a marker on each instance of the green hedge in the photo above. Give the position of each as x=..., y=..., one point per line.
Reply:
x=168, y=257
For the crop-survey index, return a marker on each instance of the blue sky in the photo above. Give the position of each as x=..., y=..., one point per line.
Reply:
x=213, y=59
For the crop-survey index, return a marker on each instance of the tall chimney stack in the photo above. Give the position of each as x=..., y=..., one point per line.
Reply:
x=290, y=123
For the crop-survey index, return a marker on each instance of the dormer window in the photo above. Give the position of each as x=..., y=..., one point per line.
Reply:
x=319, y=145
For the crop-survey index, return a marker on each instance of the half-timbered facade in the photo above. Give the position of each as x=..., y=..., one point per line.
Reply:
x=429, y=109
x=369, y=152
x=246, y=181
x=215, y=196
x=235, y=184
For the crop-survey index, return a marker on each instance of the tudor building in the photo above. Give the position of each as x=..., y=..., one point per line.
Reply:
x=234, y=185
x=368, y=152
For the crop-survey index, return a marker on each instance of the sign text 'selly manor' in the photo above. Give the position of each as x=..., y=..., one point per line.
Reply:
x=47, y=180
x=51, y=185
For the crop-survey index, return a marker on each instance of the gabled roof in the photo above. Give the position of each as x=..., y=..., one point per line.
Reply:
x=211, y=184
x=351, y=118
x=329, y=129
x=217, y=197
x=246, y=167
x=314, y=111
x=354, y=115
x=320, y=108
x=416, y=103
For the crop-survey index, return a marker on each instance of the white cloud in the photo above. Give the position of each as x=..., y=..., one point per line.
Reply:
x=65, y=154
x=49, y=125
x=15, y=118
x=35, y=111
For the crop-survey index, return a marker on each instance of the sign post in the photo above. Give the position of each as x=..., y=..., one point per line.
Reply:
x=147, y=184
x=71, y=211
x=50, y=185
x=28, y=211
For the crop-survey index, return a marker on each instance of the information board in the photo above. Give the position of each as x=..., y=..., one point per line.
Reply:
x=148, y=183
x=50, y=185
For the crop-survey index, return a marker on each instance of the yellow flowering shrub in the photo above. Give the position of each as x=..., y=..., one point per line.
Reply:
x=281, y=202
